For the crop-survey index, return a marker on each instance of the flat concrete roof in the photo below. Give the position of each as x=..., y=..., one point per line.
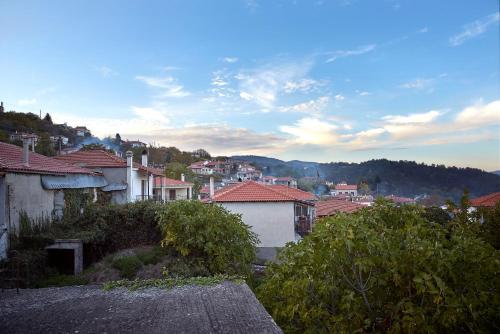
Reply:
x=222, y=308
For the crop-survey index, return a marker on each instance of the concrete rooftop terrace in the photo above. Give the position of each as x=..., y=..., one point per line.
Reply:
x=222, y=308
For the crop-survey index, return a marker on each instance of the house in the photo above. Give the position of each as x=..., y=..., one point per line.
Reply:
x=166, y=189
x=333, y=206
x=20, y=136
x=135, y=143
x=286, y=181
x=59, y=139
x=34, y=184
x=400, y=200
x=487, y=201
x=211, y=167
x=128, y=181
x=82, y=131
x=248, y=172
x=277, y=214
x=345, y=189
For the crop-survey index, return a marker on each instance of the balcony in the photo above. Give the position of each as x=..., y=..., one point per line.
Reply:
x=303, y=225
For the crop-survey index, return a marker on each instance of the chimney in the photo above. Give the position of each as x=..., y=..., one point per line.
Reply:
x=129, y=155
x=26, y=151
x=144, y=158
x=212, y=190
x=183, y=178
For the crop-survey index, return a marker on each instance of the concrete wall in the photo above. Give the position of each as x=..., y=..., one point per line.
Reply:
x=4, y=240
x=137, y=177
x=272, y=221
x=25, y=193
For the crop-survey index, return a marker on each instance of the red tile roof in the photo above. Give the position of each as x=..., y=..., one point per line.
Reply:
x=251, y=191
x=297, y=193
x=101, y=159
x=11, y=160
x=346, y=187
x=489, y=200
x=170, y=182
x=397, y=199
x=333, y=206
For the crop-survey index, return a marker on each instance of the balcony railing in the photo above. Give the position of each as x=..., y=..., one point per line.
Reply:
x=157, y=198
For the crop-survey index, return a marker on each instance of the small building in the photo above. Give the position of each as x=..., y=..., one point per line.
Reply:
x=82, y=131
x=128, y=181
x=286, y=181
x=345, y=189
x=399, y=200
x=166, y=189
x=59, y=139
x=333, y=206
x=34, y=184
x=135, y=143
x=277, y=214
x=32, y=138
x=248, y=172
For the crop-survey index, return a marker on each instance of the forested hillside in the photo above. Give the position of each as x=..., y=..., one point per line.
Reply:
x=405, y=178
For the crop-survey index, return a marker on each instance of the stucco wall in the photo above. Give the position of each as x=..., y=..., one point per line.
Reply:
x=137, y=177
x=25, y=192
x=272, y=221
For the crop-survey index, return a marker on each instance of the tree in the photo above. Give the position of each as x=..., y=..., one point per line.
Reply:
x=118, y=139
x=385, y=269
x=45, y=146
x=364, y=189
x=47, y=118
x=208, y=234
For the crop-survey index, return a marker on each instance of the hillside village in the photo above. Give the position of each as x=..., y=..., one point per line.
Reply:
x=52, y=174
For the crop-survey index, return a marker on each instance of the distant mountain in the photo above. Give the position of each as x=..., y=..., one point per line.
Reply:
x=404, y=178
x=497, y=172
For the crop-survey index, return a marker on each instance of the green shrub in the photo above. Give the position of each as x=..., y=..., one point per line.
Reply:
x=127, y=265
x=151, y=256
x=385, y=270
x=209, y=233
x=61, y=280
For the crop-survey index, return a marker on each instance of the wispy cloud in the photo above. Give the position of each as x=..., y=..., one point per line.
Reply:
x=230, y=59
x=105, y=71
x=413, y=118
x=339, y=97
x=423, y=30
x=419, y=83
x=348, y=53
x=26, y=102
x=312, y=131
x=474, y=29
x=167, y=85
x=311, y=107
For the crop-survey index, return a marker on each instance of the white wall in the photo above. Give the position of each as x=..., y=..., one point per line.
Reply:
x=272, y=221
x=137, y=177
x=25, y=193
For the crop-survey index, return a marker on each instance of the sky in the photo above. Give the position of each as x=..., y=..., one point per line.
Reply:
x=340, y=80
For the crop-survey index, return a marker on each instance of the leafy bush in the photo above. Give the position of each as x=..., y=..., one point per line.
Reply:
x=210, y=233
x=127, y=265
x=385, y=270
x=61, y=280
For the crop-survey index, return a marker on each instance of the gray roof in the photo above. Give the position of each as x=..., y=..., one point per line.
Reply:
x=223, y=308
x=114, y=187
x=73, y=181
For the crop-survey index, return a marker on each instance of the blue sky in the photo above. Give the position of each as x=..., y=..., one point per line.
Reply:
x=310, y=80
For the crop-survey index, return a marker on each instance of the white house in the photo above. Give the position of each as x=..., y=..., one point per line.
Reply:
x=166, y=189
x=35, y=184
x=277, y=214
x=127, y=181
x=345, y=189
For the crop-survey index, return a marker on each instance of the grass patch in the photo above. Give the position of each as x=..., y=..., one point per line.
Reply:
x=171, y=282
x=128, y=265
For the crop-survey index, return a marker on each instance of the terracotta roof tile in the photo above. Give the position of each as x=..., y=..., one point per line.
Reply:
x=170, y=182
x=346, y=187
x=333, y=206
x=489, y=200
x=11, y=160
x=251, y=191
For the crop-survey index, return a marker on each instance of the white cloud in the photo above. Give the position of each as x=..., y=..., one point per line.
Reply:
x=412, y=118
x=423, y=30
x=474, y=29
x=26, y=102
x=219, y=79
x=480, y=114
x=264, y=84
x=348, y=53
x=339, y=97
x=167, y=85
x=312, y=131
x=230, y=59
x=311, y=106
x=151, y=114
x=302, y=85
x=105, y=71
x=419, y=84
x=364, y=93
